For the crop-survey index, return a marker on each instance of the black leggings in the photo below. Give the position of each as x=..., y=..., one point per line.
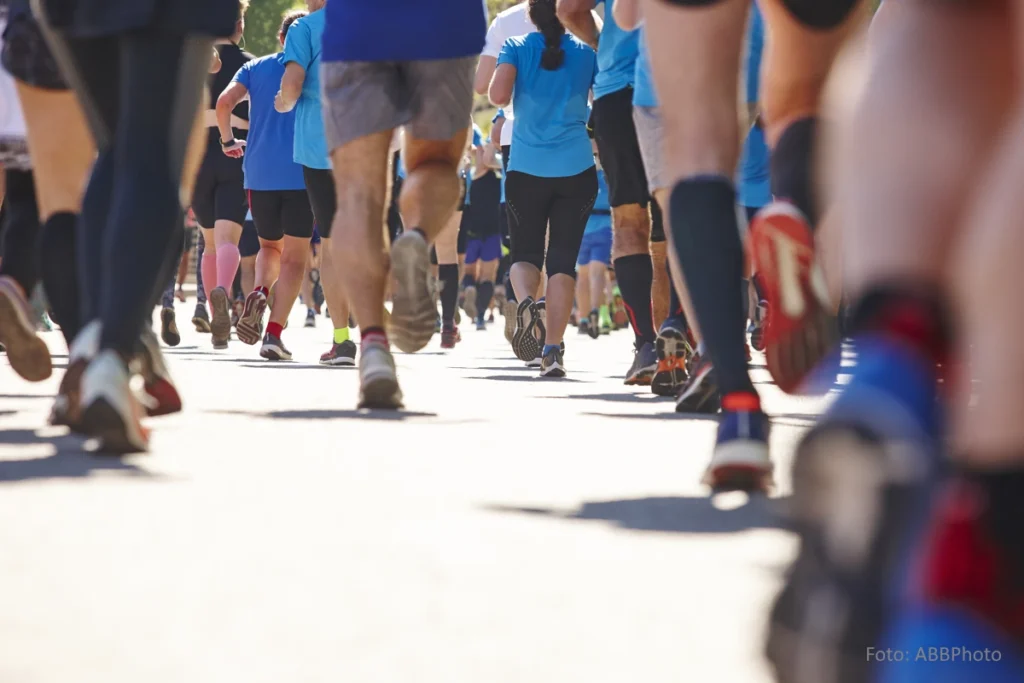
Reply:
x=533, y=202
x=140, y=92
x=20, y=230
x=322, y=197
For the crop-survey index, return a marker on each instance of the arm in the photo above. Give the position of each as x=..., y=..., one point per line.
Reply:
x=484, y=72
x=226, y=103
x=215, y=64
x=504, y=80
x=499, y=123
x=627, y=14
x=291, y=88
x=578, y=18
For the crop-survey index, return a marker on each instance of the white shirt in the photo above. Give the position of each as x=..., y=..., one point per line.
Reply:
x=515, y=21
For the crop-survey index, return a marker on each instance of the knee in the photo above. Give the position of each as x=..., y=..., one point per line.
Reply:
x=632, y=234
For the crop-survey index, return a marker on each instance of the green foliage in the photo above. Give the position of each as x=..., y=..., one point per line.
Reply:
x=263, y=21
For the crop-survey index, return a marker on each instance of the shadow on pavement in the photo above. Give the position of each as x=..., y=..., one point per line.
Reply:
x=505, y=368
x=619, y=397
x=387, y=415
x=530, y=378
x=71, y=461
x=668, y=415
x=676, y=514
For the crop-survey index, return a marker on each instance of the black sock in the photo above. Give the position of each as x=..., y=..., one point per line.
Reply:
x=706, y=238
x=635, y=275
x=468, y=281
x=58, y=264
x=792, y=167
x=484, y=292
x=448, y=275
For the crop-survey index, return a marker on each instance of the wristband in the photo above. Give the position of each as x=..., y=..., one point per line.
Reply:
x=229, y=143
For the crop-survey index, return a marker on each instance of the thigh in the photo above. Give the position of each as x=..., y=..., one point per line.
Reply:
x=266, y=214
x=650, y=135
x=296, y=214
x=249, y=242
x=616, y=137
x=322, y=198
x=571, y=210
x=442, y=97
x=362, y=98
x=93, y=67
x=229, y=198
x=527, y=199
x=472, y=251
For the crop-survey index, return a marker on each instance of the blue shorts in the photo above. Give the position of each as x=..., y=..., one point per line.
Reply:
x=485, y=249
x=596, y=246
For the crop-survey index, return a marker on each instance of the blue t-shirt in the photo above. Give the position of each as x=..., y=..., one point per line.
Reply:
x=644, y=94
x=550, y=137
x=754, y=187
x=600, y=215
x=303, y=47
x=616, y=56
x=403, y=30
x=268, y=160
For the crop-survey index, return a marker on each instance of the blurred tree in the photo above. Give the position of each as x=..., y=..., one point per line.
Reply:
x=262, y=22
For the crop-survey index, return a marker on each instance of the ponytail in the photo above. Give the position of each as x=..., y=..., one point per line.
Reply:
x=543, y=16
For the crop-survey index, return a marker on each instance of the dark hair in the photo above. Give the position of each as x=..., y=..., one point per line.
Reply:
x=289, y=19
x=544, y=17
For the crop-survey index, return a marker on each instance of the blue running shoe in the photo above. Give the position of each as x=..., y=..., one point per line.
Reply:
x=861, y=482
x=740, y=460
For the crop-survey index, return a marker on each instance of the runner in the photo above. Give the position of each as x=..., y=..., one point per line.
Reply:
x=219, y=201
x=300, y=90
x=277, y=196
x=551, y=177
x=446, y=248
x=483, y=247
x=593, y=262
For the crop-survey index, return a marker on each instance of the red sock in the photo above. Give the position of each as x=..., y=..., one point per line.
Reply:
x=376, y=334
x=263, y=290
x=275, y=329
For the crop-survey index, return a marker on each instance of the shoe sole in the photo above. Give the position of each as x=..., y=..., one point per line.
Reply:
x=249, y=328
x=594, y=326
x=671, y=371
x=165, y=397
x=202, y=325
x=741, y=465
x=469, y=304
x=508, y=310
x=554, y=371
x=380, y=393
x=66, y=411
x=798, y=332
x=524, y=342
x=642, y=377
x=220, y=324
x=339, y=362
x=26, y=352
x=169, y=329
x=413, y=312
x=702, y=401
x=101, y=421
x=274, y=353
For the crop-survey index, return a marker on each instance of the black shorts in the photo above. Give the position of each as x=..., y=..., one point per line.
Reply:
x=617, y=144
x=281, y=212
x=322, y=197
x=657, y=223
x=249, y=242
x=26, y=56
x=484, y=208
x=219, y=193
x=815, y=14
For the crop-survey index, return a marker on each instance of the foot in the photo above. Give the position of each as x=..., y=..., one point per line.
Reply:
x=508, y=310
x=699, y=394
x=250, y=324
x=583, y=327
x=645, y=364
x=310, y=318
x=67, y=405
x=26, y=352
x=673, y=354
x=798, y=330
x=160, y=396
x=201, y=319
x=481, y=326
x=220, y=324
x=378, y=380
x=553, y=363
x=529, y=327
x=110, y=412
x=450, y=336
x=469, y=301
x=169, y=327
x=340, y=355
x=274, y=349
x=740, y=460
x=413, y=310
x=594, y=324
x=535, y=362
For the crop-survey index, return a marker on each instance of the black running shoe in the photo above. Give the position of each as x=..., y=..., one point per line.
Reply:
x=201, y=319
x=274, y=349
x=594, y=324
x=529, y=327
x=169, y=328
x=552, y=364
x=673, y=353
x=700, y=392
x=645, y=364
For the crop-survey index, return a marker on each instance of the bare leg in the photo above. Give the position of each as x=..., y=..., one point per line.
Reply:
x=659, y=284
x=293, y=260
x=525, y=279
x=558, y=302
x=431, y=187
x=248, y=268
x=268, y=265
x=584, y=289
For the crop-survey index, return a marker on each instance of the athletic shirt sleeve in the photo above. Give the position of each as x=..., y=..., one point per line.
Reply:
x=298, y=46
x=509, y=54
x=495, y=38
x=242, y=76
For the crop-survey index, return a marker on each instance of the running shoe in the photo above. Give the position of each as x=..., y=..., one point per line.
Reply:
x=673, y=354
x=310, y=318
x=508, y=310
x=160, y=396
x=220, y=325
x=757, y=326
x=67, y=407
x=450, y=336
x=583, y=327
x=340, y=355
x=529, y=327
x=110, y=411
x=44, y=324
x=274, y=349
x=645, y=364
x=594, y=324
x=553, y=363
x=699, y=394
x=490, y=316
x=26, y=352
x=861, y=483
x=481, y=326
x=201, y=319
x=413, y=308
x=469, y=301
x=169, y=327
x=535, y=362
x=798, y=331
x=740, y=460
x=250, y=324
x=378, y=380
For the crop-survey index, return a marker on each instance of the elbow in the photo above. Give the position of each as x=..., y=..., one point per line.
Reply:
x=498, y=98
x=568, y=11
x=480, y=84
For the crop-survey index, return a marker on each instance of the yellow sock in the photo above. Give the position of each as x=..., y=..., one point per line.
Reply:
x=341, y=335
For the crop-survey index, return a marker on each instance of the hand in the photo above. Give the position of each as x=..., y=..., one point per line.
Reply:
x=235, y=150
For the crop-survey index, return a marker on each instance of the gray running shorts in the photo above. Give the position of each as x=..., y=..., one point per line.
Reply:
x=432, y=99
x=650, y=134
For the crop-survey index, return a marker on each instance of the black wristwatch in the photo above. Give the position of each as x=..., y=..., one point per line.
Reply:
x=229, y=143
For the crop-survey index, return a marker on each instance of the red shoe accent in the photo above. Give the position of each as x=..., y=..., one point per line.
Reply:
x=166, y=397
x=741, y=402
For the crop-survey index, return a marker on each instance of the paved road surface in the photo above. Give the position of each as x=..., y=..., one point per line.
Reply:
x=504, y=529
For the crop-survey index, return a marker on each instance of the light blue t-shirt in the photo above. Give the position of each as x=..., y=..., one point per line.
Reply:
x=268, y=160
x=303, y=46
x=754, y=186
x=616, y=56
x=600, y=215
x=644, y=94
x=550, y=137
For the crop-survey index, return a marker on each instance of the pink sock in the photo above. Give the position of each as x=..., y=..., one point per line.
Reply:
x=209, y=268
x=228, y=259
